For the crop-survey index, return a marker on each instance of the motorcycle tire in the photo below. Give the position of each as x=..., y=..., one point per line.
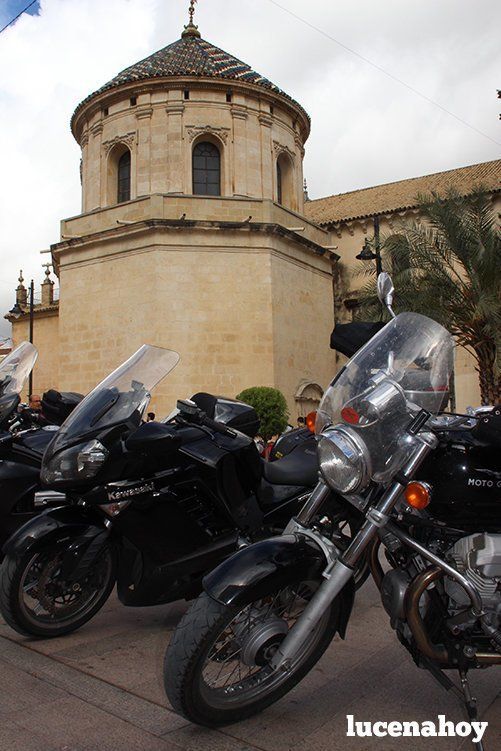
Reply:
x=189, y=651
x=15, y=587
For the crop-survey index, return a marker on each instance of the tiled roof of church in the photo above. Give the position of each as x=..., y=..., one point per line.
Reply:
x=401, y=195
x=194, y=57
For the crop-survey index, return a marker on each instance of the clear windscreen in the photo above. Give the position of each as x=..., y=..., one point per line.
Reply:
x=16, y=367
x=404, y=368
x=120, y=397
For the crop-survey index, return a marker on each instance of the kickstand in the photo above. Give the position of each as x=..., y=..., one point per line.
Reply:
x=470, y=703
x=463, y=693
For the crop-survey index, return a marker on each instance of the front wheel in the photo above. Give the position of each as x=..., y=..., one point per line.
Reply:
x=217, y=667
x=36, y=601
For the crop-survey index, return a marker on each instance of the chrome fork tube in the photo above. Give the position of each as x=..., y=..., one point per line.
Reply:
x=342, y=570
x=320, y=494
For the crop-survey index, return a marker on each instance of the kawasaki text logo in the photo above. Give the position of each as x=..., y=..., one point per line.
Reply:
x=118, y=495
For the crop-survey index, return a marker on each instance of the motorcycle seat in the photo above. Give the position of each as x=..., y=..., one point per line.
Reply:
x=299, y=468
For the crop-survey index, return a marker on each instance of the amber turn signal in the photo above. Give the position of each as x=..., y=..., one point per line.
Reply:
x=310, y=420
x=418, y=495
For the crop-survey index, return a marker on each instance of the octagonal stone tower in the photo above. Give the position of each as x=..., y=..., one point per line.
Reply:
x=191, y=234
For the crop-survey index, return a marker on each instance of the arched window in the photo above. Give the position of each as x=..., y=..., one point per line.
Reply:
x=285, y=182
x=206, y=170
x=123, y=192
x=279, y=183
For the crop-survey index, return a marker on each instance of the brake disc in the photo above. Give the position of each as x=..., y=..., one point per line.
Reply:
x=44, y=597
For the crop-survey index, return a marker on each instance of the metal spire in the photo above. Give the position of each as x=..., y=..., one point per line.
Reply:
x=191, y=30
x=192, y=11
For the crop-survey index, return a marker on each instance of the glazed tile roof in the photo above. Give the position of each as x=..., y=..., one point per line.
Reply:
x=401, y=195
x=190, y=56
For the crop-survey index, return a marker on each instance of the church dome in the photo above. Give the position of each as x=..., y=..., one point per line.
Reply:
x=193, y=57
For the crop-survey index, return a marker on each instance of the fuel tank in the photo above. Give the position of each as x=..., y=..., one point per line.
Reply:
x=465, y=475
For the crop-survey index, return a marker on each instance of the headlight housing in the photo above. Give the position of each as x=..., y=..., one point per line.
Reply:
x=344, y=460
x=80, y=462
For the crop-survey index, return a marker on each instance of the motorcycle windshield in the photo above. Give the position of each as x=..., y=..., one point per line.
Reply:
x=120, y=397
x=404, y=368
x=16, y=367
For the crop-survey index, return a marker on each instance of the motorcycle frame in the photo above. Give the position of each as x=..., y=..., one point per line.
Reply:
x=340, y=567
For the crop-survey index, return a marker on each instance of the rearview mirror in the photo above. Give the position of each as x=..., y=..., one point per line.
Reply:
x=385, y=290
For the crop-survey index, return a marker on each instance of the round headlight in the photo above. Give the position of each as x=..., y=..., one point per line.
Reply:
x=344, y=460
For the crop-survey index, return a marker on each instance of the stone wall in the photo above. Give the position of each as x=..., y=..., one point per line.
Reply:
x=252, y=131
x=46, y=340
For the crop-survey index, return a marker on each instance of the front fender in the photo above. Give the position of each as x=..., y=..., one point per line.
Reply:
x=269, y=565
x=53, y=525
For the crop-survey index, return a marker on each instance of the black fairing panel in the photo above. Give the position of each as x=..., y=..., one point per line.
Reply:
x=18, y=483
x=32, y=444
x=261, y=568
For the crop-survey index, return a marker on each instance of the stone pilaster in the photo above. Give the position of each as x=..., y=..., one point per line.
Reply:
x=175, y=167
x=97, y=167
x=239, y=148
x=143, y=159
x=267, y=165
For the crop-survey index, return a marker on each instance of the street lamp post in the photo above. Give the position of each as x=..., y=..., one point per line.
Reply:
x=32, y=295
x=367, y=254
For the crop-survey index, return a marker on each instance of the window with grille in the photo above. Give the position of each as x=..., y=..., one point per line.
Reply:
x=124, y=178
x=279, y=184
x=206, y=170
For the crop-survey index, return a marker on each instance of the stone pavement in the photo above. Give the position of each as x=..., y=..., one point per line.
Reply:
x=100, y=689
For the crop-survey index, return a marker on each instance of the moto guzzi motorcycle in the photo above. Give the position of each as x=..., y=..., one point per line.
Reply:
x=152, y=506
x=23, y=441
x=269, y=612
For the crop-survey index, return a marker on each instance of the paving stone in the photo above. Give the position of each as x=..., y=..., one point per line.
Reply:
x=80, y=726
x=109, y=677
x=21, y=691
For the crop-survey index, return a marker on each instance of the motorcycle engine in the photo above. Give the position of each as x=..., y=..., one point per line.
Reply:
x=478, y=557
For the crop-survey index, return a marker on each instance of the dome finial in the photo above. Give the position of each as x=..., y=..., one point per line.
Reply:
x=191, y=30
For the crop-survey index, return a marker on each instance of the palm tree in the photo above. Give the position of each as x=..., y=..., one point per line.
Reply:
x=448, y=267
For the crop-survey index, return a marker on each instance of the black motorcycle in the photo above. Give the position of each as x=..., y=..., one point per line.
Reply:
x=270, y=611
x=152, y=506
x=24, y=436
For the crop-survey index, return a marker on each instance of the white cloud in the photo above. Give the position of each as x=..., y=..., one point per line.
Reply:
x=367, y=129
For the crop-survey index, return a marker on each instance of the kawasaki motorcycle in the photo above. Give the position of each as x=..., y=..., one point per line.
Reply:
x=152, y=506
x=23, y=441
x=269, y=612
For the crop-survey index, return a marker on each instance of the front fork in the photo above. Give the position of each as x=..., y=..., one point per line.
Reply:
x=340, y=569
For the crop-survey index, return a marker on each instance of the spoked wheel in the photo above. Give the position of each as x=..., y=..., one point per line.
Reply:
x=217, y=667
x=36, y=601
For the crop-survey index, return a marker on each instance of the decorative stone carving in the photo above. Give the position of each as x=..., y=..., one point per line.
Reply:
x=278, y=148
x=128, y=139
x=265, y=120
x=97, y=129
x=196, y=130
x=85, y=139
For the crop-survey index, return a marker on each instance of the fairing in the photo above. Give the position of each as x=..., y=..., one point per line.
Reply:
x=120, y=397
x=404, y=368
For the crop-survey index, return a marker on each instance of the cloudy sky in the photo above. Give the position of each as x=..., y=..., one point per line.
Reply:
x=340, y=58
